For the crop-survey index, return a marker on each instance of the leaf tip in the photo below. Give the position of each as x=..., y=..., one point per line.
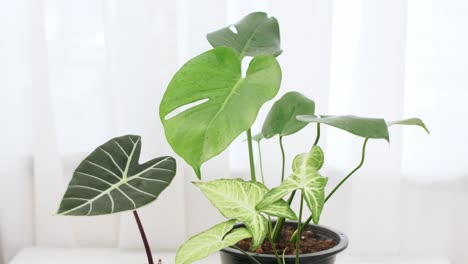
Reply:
x=197, y=172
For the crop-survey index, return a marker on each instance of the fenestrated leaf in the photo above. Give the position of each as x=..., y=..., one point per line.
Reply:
x=110, y=180
x=305, y=177
x=359, y=126
x=229, y=103
x=410, y=122
x=212, y=240
x=236, y=199
x=281, y=120
x=255, y=34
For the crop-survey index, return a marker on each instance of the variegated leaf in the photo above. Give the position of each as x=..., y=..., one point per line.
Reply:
x=306, y=178
x=214, y=239
x=236, y=199
x=110, y=180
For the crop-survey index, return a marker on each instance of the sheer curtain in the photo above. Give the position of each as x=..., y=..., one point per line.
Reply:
x=75, y=73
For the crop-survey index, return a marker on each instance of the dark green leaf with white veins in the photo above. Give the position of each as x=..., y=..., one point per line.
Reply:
x=410, y=122
x=110, y=180
x=210, y=241
x=281, y=119
x=359, y=126
x=305, y=177
x=255, y=34
x=228, y=104
x=236, y=199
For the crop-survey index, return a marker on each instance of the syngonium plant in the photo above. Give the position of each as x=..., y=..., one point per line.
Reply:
x=111, y=180
x=218, y=104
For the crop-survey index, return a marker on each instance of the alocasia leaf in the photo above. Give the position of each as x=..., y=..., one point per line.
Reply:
x=236, y=199
x=205, y=243
x=410, y=122
x=281, y=120
x=111, y=180
x=359, y=126
x=305, y=177
x=228, y=103
x=255, y=34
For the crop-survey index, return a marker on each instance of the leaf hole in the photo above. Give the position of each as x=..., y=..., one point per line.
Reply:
x=185, y=107
x=233, y=29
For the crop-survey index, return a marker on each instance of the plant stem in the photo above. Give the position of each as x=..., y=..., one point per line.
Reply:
x=272, y=242
x=251, y=157
x=260, y=161
x=143, y=237
x=283, y=157
x=247, y=254
x=299, y=227
x=280, y=222
x=363, y=156
x=317, y=138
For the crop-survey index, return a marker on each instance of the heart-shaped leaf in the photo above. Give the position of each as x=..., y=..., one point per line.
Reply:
x=281, y=119
x=110, y=180
x=255, y=34
x=410, y=122
x=236, y=199
x=305, y=177
x=359, y=126
x=229, y=103
x=205, y=243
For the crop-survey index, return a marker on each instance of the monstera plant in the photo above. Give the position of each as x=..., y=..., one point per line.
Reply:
x=209, y=103
x=111, y=180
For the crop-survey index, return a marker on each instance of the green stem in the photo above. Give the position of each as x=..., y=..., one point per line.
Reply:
x=363, y=156
x=317, y=138
x=280, y=222
x=299, y=227
x=247, y=254
x=251, y=157
x=283, y=157
x=272, y=242
x=260, y=161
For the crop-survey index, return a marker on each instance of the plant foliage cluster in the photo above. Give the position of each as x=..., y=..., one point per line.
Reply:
x=207, y=105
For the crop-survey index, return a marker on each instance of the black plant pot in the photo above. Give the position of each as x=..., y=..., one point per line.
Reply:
x=233, y=256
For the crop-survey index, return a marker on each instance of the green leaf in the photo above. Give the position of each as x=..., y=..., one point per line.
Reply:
x=228, y=103
x=110, y=180
x=410, y=122
x=359, y=126
x=281, y=119
x=205, y=243
x=305, y=177
x=257, y=137
x=236, y=199
x=255, y=34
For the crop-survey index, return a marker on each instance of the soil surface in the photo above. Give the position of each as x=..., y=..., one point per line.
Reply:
x=309, y=243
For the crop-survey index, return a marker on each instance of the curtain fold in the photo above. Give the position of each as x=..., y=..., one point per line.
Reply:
x=76, y=73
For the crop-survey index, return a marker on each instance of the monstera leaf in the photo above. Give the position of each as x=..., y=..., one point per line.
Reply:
x=410, y=122
x=281, y=119
x=202, y=245
x=254, y=35
x=227, y=103
x=306, y=178
x=110, y=180
x=236, y=199
x=359, y=126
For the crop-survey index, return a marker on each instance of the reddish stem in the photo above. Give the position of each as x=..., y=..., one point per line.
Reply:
x=143, y=237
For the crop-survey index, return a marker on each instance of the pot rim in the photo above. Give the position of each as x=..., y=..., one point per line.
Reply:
x=342, y=245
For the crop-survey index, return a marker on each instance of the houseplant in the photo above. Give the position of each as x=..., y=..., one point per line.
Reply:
x=110, y=180
x=218, y=104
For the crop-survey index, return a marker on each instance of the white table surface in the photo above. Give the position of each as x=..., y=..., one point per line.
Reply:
x=116, y=256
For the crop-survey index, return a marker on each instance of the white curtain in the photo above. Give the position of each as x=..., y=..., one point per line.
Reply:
x=75, y=73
